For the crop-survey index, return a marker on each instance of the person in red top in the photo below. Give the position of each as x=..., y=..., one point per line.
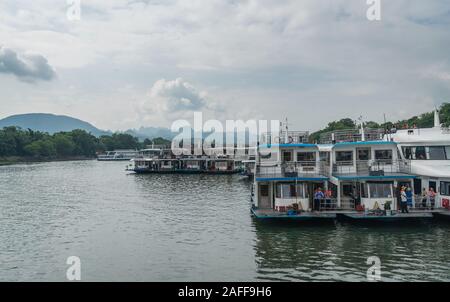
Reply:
x=328, y=196
x=431, y=197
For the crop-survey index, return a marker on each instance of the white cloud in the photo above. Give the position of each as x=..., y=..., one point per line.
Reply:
x=170, y=100
x=27, y=67
x=265, y=57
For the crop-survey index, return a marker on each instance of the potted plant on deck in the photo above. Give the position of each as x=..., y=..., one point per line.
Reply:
x=387, y=208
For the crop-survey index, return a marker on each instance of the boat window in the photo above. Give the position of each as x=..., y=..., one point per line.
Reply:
x=420, y=153
x=278, y=191
x=324, y=156
x=383, y=155
x=437, y=153
x=447, y=152
x=344, y=157
x=291, y=191
x=287, y=156
x=301, y=191
x=407, y=152
x=424, y=152
x=307, y=158
x=380, y=190
x=363, y=154
x=288, y=190
x=364, y=190
x=445, y=188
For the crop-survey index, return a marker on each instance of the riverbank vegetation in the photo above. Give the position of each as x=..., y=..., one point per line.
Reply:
x=18, y=145
x=425, y=120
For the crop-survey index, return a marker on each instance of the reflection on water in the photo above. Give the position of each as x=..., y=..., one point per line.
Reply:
x=184, y=227
x=339, y=253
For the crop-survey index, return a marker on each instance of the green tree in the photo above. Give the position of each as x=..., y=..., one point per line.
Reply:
x=8, y=146
x=41, y=148
x=345, y=123
x=161, y=141
x=85, y=143
x=445, y=114
x=63, y=144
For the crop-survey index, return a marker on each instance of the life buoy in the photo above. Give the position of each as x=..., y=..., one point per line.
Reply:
x=290, y=139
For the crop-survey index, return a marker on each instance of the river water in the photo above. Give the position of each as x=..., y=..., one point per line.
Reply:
x=127, y=227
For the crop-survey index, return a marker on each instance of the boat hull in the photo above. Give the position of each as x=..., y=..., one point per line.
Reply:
x=284, y=217
x=382, y=219
x=443, y=215
x=147, y=171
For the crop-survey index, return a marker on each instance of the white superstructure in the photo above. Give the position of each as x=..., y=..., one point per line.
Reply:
x=428, y=150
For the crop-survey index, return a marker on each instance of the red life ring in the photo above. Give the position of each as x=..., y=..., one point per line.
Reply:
x=445, y=203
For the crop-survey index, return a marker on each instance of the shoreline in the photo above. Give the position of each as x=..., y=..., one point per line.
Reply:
x=14, y=160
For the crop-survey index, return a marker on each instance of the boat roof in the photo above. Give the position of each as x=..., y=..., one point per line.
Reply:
x=298, y=178
x=387, y=176
x=288, y=146
x=436, y=135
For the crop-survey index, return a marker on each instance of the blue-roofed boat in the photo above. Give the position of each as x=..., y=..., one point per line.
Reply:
x=354, y=175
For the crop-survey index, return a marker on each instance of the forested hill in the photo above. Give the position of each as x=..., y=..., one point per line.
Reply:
x=49, y=123
x=425, y=120
x=29, y=144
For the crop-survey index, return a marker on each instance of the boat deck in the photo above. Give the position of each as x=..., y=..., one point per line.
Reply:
x=350, y=216
x=366, y=176
x=306, y=216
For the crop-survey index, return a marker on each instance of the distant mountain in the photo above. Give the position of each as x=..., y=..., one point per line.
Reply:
x=151, y=133
x=50, y=123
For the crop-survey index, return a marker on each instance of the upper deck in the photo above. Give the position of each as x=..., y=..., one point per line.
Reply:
x=285, y=137
x=352, y=135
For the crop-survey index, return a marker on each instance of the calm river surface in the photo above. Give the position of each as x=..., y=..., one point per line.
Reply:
x=127, y=227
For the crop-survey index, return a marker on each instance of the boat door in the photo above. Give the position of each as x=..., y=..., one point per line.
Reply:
x=417, y=186
x=265, y=201
x=362, y=160
x=432, y=185
x=312, y=187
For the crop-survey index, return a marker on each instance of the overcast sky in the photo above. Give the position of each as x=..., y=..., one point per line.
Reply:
x=145, y=63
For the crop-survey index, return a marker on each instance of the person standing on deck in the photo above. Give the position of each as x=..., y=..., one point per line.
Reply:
x=409, y=196
x=318, y=197
x=404, y=203
x=431, y=197
x=328, y=196
x=424, y=198
x=398, y=194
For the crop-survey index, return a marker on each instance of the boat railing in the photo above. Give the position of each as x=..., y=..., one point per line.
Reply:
x=292, y=137
x=293, y=169
x=347, y=203
x=351, y=135
x=372, y=167
x=331, y=204
x=424, y=203
x=328, y=204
